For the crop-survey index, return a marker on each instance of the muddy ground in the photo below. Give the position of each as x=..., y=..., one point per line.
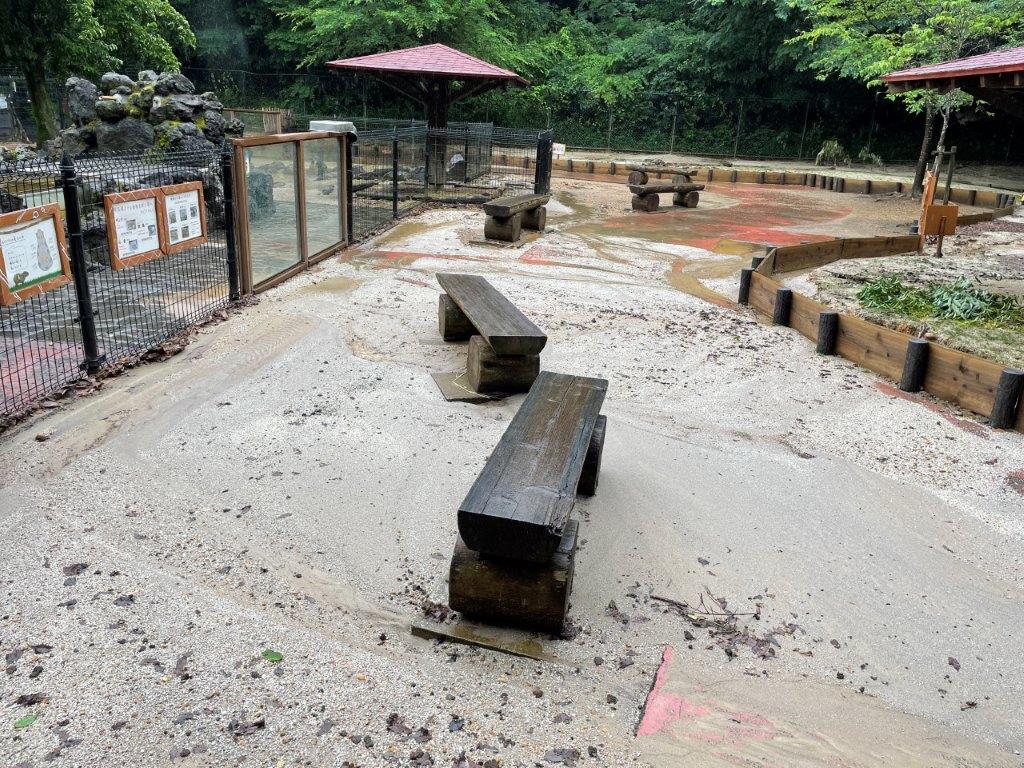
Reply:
x=289, y=482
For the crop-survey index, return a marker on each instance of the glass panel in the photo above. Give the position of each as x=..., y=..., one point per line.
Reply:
x=273, y=229
x=323, y=193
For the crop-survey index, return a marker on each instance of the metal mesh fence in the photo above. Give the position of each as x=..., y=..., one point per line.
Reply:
x=42, y=348
x=464, y=163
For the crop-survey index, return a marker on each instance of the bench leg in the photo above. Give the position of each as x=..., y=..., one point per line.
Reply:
x=535, y=219
x=686, y=199
x=508, y=592
x=490, y=373
x=646, y=203
x=508, y=230
x=592, y=464
x=451, y=322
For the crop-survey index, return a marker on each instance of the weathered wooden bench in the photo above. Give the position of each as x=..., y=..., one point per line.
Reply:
x=504, y=345
x=508, y=216
x=645, y=193
x=514, y=558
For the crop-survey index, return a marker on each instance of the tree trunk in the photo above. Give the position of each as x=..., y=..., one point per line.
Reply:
x=43, y=109
x=945, y=125
x=922, y=158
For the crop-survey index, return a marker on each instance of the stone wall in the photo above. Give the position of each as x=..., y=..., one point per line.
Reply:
x=160, y=111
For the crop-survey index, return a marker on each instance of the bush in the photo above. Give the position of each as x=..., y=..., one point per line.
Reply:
x=960, y=300
x=832, y=154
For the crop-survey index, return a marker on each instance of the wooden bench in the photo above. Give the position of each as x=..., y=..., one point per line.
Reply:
x=514, y=558
x=645, y=194
x=504, y=345
x=508, y=216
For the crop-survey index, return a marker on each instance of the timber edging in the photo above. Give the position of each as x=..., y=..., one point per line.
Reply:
x=971, y=382
x=1000, y=201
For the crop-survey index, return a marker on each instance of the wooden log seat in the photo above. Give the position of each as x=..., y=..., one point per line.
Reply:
x=504, y=345
x=645, y=203
x=507, y=216
x=520, y=503
x=528, y=595
x=661, y=187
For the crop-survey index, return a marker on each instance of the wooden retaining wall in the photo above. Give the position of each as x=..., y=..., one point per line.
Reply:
x=967, y=380
x=1001, y=201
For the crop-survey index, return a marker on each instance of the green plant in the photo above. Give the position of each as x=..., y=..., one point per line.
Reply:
x=960, y=301
x=869, y=158
x=832, y=154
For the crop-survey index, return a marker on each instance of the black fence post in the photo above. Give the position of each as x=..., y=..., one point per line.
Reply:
x=542, y=172
x=394, y=178
x=349, y=180
x=234, y=292
x=86, y=316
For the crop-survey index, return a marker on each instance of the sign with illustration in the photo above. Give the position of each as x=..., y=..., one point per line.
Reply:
x=33, y=253
x=184, y=216
x=133, y=227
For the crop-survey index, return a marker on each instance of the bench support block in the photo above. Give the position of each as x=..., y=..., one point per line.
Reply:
x=645, y=203
x=592, y=464
x=487, y=372
x=535, y=219
x=451, y=321
x=507, y=230
x=508, y=592
x=686, y=199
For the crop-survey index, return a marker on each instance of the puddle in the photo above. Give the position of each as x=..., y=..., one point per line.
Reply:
x=329, y=285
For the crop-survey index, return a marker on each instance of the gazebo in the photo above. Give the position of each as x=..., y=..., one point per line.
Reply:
x=434, y=75
x=996, y=77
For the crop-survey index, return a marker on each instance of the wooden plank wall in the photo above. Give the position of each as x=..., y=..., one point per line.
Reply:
x=1001, y=201
x=967, y=380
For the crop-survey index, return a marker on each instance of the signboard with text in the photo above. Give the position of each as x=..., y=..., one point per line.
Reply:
x=33, y=253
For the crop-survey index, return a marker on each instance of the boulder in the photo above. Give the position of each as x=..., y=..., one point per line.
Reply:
x=111, y=108
x=235, y=129
x=129, y=134
x=113, y=80
x=75, y=141
x=9, y=202
x=179, y=107
x=210, y=101
x=173, y=82
x=146, y=76
x=81, y=99
x=261, y=195
x=213, y=125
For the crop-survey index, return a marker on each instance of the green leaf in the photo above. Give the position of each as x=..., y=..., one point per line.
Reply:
x=273, y=656
x=25, y=721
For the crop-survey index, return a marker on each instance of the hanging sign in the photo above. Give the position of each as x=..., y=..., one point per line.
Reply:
x=184, y=216
x=133, y=227
x=33, y=253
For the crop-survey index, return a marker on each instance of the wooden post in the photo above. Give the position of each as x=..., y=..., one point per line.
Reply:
x=589, y=477
x=745, y=277
x=915, y=365
x=755, y=262
x=828, y=332
x=1009, y=394
x=783, y=306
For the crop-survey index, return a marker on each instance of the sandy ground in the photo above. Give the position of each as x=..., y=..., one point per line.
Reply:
x=289, y=483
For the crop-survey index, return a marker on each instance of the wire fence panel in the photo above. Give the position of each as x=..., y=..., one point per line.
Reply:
x=43, y=341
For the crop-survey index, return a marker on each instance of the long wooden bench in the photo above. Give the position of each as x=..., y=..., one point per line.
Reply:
x=508, y=216
x=514, y=559
x=504, y=345
x=645, y=194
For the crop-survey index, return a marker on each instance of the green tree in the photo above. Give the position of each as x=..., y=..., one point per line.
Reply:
x=58, y=38
x=866, y=40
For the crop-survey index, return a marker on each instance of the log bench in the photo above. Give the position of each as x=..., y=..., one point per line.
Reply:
x=508, y=216
x=504, y=345
x=514, y=560
x=685, y=193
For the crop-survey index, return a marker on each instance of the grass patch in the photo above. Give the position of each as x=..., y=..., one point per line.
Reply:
x=960, y=301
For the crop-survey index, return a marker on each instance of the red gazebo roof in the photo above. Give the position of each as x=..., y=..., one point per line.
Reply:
x=991, y=63
x=435, y=60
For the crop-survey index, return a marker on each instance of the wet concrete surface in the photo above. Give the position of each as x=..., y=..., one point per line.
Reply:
x=289, y=482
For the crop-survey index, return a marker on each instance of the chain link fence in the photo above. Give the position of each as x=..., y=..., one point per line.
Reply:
x=107, y=316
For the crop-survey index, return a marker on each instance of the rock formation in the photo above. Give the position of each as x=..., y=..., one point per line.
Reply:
x=160, y=111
